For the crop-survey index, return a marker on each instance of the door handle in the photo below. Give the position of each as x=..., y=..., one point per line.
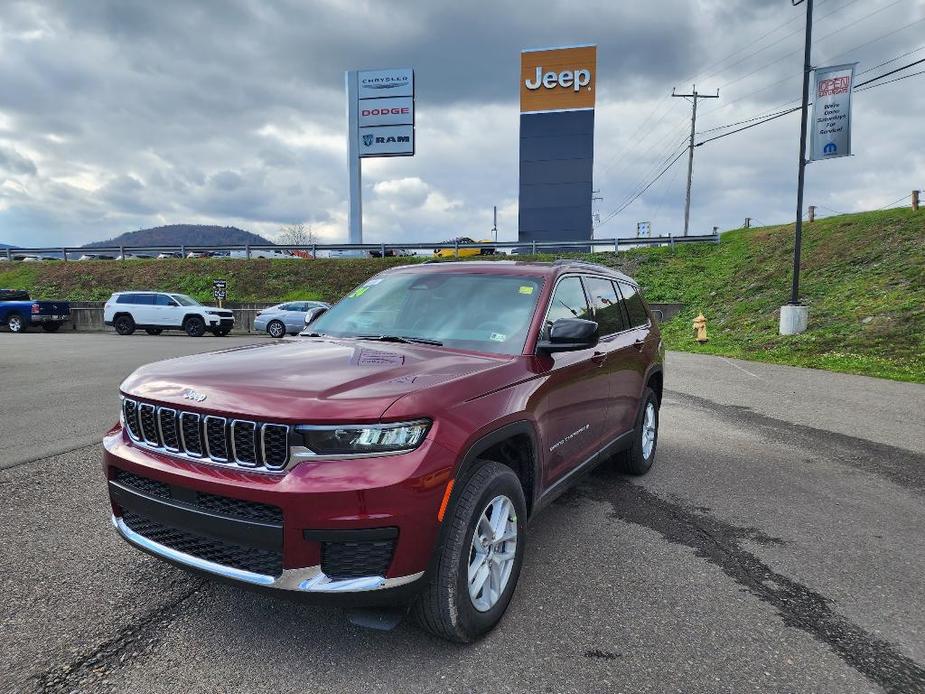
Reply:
x=599, y=358
x=639, y=344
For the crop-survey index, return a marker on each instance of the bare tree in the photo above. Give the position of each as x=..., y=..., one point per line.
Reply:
x=296, y=235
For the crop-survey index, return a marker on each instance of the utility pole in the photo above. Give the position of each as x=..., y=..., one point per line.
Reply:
x=494, y=225
x=793, y=316
x=595, y=216
x=694, y=95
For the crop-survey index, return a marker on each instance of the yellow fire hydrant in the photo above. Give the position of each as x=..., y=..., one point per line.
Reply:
x=700, y=325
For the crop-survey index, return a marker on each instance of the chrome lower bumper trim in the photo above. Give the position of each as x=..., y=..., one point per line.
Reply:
x=310, y=579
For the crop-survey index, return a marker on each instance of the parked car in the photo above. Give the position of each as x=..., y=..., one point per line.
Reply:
x=169, y=255
x=209, y=254
x=19, y=311
x=397, y=452
x=285, y=319
x=96, y=256
x=392, y=253
x=463, y=252
x=155, y=312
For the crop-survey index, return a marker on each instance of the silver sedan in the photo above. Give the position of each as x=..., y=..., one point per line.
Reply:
x=287, y=318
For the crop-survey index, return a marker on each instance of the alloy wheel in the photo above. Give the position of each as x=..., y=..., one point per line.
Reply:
x=492, y=553
x=648, y=431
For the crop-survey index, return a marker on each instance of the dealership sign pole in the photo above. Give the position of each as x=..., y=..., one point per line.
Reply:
x=380, y=123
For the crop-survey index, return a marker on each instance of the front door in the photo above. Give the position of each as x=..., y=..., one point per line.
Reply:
x=573, y=399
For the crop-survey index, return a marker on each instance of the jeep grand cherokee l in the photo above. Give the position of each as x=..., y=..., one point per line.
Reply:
x=156, y=312
x=396, y=451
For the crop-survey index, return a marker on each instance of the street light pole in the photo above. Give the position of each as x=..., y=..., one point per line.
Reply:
x=794, y=316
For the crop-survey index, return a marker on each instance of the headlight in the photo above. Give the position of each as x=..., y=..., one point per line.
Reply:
x=368, y=439
x=215, y=313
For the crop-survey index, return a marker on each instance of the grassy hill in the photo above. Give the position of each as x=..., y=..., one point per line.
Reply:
x=863, y=278
x=180, y=235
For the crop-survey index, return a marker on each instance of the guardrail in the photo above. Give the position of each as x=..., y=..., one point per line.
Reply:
x=250, y=250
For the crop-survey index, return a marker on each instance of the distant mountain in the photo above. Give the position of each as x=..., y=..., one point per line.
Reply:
x=182, y=235
x=7, y=245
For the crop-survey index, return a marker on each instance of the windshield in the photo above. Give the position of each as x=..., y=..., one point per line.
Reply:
x=185, y=300
x=481, y=312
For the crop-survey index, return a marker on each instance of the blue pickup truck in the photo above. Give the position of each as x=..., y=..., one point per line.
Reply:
x=19, y=311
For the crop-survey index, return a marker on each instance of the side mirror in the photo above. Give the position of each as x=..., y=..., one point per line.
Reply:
x=569, y=335
x=657, y=312
x=314, y=313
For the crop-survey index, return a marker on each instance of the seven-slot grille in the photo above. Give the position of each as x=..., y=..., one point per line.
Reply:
x=253, y=445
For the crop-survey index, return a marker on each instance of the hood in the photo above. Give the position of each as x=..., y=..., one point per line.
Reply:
x=309, y=380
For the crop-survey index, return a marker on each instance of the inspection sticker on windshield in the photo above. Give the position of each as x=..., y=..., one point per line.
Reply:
x=526, y=289
x=359, y=291
x=497, y=337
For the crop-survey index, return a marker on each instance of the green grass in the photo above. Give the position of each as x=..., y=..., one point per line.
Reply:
x=863, y=277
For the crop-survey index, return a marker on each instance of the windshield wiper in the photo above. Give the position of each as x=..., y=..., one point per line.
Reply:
x=401, y=338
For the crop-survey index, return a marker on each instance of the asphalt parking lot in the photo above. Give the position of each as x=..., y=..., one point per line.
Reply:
x=778, y=545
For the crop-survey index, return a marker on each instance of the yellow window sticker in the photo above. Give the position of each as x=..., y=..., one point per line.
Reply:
x=359, y=291
x=526, y=289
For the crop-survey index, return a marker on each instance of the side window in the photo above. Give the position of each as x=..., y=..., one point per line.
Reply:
x=606, y=305
x=144, y=299
x=126, y=299
x=164, y=300
x=634, y=308
x=568, y=301
x=287, y=307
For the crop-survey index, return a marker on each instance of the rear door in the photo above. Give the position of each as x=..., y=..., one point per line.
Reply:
x=573, y=400
x=141, y=307
x=640, y=349
x=621, y=356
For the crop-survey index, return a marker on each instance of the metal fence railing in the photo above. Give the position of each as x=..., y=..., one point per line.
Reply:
x=348, y=249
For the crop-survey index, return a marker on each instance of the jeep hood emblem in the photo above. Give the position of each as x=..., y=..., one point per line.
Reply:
x=194, y=395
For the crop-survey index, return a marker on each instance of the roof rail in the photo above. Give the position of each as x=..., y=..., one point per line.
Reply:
x=569, y=261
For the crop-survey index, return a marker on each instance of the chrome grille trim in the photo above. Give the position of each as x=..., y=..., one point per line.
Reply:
x=234, y=448
x=205, y=430
x=193, y=416
x=131, y=411
x=171, y=413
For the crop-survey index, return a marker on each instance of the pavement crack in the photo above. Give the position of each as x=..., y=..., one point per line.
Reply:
x=95, y=665
x=901, y=466
x=718, y=542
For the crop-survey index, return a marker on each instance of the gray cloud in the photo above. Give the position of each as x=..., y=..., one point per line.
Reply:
x=121, y=114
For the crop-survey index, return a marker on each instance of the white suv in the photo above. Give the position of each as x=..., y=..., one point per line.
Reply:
x=159, y=311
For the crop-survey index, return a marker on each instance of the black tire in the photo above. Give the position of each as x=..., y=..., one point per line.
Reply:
x=51, y=327
x=276, y=328
x=17, y=323
x=634, y=461
x=444, y=608
x=154, y=331
x=195, y=326
x=124, y=325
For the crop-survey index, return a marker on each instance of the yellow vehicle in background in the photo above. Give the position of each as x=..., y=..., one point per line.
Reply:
x=463, y=252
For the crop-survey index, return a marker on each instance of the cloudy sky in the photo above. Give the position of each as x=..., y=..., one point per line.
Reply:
x=122, y=114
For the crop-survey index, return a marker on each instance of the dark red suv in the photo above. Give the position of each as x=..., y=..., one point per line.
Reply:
x=395, y=451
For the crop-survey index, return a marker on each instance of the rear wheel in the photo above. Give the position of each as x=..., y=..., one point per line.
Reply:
x=124, y=325
x=50, y=327
x=16, y=323
x=480, y=559
x=154, y=331
x=195, y=326
x=276, y=328
x=637, y=459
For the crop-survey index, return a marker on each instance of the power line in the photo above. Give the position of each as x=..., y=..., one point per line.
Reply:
x=635, y=197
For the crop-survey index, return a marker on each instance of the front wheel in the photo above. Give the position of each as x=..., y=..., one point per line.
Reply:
x=637, y=459
x=16, y=323
x=195, y=326
x=480, y=558
x=276, y=328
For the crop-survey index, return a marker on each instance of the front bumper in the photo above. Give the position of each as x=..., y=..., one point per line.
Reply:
x=326, y=508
